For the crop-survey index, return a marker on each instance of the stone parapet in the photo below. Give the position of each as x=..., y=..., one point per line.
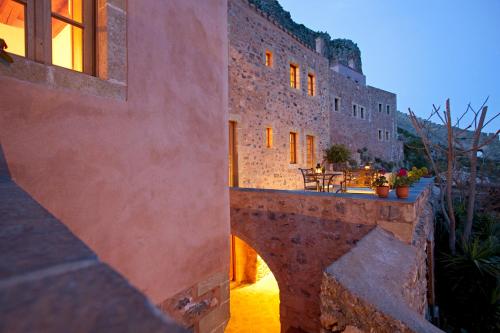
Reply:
x=399, y=216
x=368, y=288
x=299, y=234
x=50, y=281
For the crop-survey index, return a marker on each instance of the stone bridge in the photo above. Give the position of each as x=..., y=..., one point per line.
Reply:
x=300, y=235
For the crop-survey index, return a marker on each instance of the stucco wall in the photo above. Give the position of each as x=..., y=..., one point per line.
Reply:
x=143, y=181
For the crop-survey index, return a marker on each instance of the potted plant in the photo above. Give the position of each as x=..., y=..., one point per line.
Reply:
x=338, y=156
x=381, y=185
x=402, y=183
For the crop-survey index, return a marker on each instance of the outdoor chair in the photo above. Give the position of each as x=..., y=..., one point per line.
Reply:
x=311, y=182
x=333, y=183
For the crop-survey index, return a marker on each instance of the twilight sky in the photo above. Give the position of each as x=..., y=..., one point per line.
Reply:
x=424, y=51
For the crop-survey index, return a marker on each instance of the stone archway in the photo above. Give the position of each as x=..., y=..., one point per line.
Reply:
x=254, y=295
x=296, y=246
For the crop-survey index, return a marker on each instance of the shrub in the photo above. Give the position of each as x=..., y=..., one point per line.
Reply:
x=337, y=154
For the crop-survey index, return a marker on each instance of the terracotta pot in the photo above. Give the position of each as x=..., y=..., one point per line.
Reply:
x=402, y=192
x=382, y=191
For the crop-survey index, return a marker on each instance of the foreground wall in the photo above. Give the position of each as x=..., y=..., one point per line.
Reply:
x=127, y=171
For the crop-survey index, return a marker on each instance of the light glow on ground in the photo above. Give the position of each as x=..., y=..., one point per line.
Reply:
x=255, y=307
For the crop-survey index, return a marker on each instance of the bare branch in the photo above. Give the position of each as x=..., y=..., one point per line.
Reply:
x=489, y=121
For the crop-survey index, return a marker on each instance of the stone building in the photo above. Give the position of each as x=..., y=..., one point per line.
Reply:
x=293, y=93
x=114, y=143
x=115, y=135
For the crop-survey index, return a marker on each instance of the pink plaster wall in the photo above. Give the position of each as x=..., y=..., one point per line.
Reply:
x=142, y=182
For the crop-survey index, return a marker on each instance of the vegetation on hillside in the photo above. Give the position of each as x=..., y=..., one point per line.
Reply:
x=467, y=243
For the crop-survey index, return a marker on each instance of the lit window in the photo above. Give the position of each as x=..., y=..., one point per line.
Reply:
x=311, y=82
x=67, y=34
x=354, y=110
x=362, y=112
x=294, y=76
x=380, y=135
x=379, y=107
x=293, y=148
x=336, y=105
x=310, y=151
x=269, y=59
x=269, y=137
x=70, y=31
x=388, y=109
x=387, y=135
x=13, y=26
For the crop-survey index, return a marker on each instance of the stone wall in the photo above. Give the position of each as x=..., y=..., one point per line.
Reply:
x=50, y=281
x=383, y=284
x=300, y=234
x=261, y=97
x=356, y=132
x=203, y=307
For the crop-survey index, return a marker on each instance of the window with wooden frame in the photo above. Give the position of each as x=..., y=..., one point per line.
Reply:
x=269, y=137
x=13, y=21
x=294, y=76
x=311, y=84
x=310, y=156
x=293, y=148
x=269, y=59
x=354, y=110
x=58, y=32
x=336, y=104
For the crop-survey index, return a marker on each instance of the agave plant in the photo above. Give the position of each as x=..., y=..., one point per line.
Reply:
x=473, y=279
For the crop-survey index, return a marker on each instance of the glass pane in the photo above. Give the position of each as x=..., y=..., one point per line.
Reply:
x=71, y=9
x=67, y=45
x=13, y=26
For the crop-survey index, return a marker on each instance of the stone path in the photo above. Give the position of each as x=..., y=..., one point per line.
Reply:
x=255, y=307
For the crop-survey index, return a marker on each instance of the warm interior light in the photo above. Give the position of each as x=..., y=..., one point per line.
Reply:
x=67, y=39
x=254, y=295
x=12, y=26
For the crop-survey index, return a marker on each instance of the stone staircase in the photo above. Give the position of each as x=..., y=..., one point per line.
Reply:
x=50, y=281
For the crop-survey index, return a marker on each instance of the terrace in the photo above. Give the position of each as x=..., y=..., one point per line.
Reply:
x=300, y=234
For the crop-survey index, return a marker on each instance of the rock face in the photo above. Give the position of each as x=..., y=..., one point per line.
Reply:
x=343, y=51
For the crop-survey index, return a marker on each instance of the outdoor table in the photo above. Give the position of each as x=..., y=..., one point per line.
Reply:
x=325, y=177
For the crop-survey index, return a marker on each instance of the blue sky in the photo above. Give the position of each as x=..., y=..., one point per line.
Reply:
x=423, y=50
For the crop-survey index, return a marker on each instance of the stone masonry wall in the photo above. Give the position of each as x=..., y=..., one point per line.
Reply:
x=203, y=307
x=261, y=97
x=383, y=284
x=356, y=132
x=299, y=234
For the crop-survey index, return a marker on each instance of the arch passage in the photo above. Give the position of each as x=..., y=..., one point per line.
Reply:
x=297, y=248
x=254, y=292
